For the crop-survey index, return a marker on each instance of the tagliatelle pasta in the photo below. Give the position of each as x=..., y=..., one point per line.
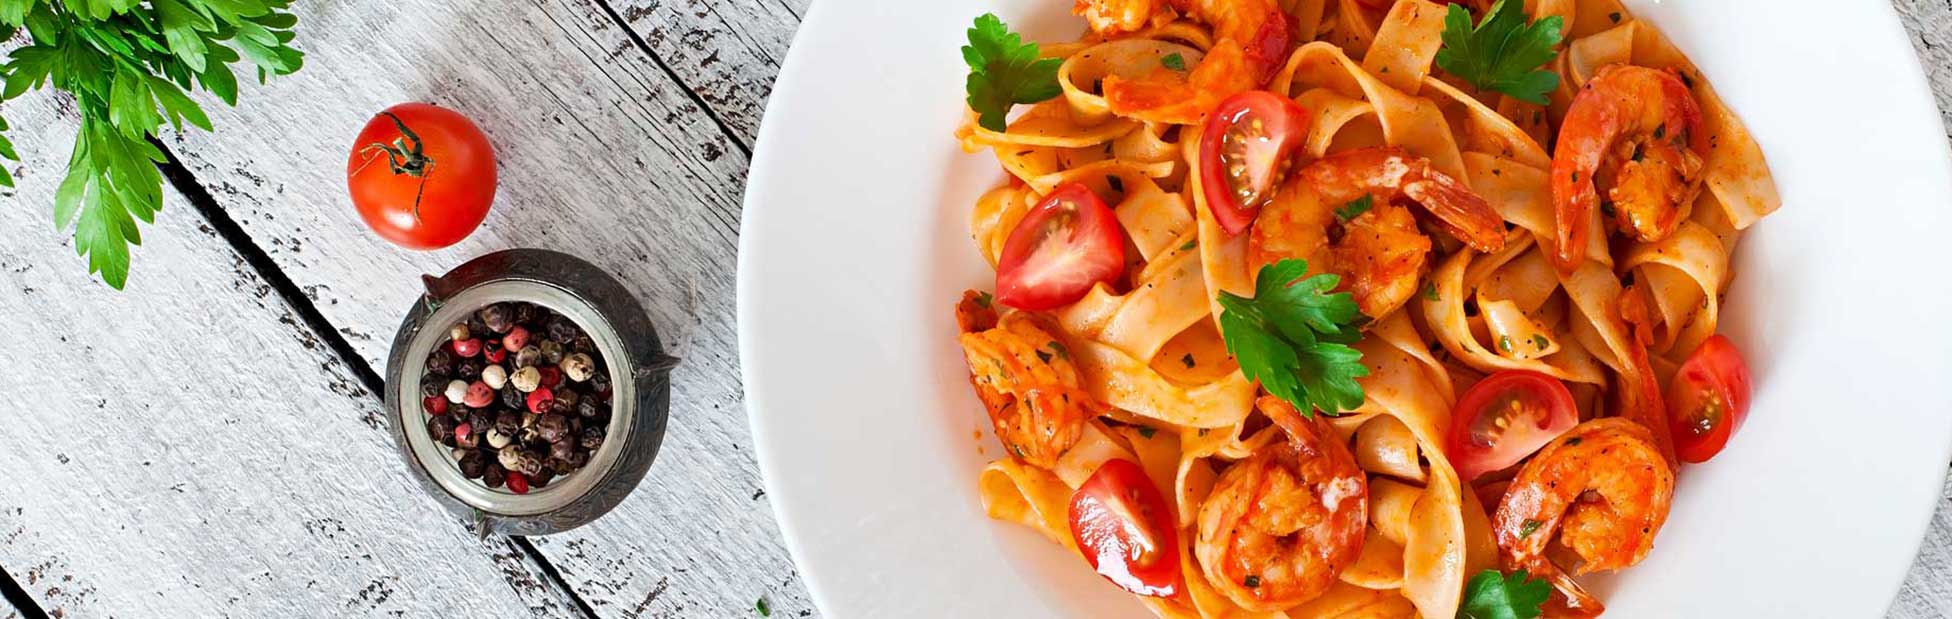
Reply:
x=1136, y=364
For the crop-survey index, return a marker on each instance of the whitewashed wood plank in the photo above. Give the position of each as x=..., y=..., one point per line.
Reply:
x=602, y=155
x=726, y=51
x=188, y=448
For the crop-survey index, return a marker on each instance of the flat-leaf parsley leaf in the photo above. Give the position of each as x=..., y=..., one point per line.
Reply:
x=1005, y=71
x=1293, y=337
x=1503, y=52
x=1491, y=595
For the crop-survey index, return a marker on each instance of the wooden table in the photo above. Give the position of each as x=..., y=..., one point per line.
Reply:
x=208, y=442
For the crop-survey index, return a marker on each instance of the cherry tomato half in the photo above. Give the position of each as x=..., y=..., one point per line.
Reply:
x=422, y=176
x=1244, y=151
x=1708, y=400
x=1064, y=245
x=1505, y=418
x=1125, y=530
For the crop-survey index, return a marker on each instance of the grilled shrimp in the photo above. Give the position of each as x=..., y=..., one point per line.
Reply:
x=1280, y=526
x=1026, y=381
x=1252, y=39
x=1636, y=132
x=1602, y=488
x=1379, y=252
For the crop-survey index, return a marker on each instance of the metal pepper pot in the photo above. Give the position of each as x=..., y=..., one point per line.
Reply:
x=623, y=334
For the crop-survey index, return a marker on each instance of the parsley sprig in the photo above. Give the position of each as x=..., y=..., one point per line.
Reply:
x=1294, y=337
x=1503, y=52
x=131, y=65
x=1005, y=71
x=1491, y=595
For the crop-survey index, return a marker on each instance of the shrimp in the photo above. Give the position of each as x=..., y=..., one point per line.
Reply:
x=1379, y=253
x=1280, y=526
x=1252, y=39
x=1026, y=380
x=1637, y=132
x=1603, y=488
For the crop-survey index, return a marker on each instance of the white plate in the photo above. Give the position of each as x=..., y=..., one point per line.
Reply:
x=855, y=248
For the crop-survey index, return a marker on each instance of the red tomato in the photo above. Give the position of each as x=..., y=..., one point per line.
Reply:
x=1125, y=530
x=1244, y=151
x=1708, y=400
x=1505, y=418
x=1064, y=245
x=422, y=176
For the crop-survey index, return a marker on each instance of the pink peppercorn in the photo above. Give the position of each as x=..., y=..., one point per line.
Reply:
x=480, y=395
x=517, y=338
x=435, y=405
x=539, y=399
x=467, y=348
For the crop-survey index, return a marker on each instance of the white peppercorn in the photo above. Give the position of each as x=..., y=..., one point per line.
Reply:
x=552, y=352
x=459, y=332
x=528, y=356
x=498, y=440
x=495, y=376
x=525, y=380
x=457, y=390
x=510, y=457
x=579, y=367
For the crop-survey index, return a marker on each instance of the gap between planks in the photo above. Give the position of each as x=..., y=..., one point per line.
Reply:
x=185, y=182
x=23, y=605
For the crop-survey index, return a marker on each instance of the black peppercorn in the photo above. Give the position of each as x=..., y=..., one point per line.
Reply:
x=469, y=369
x=473, y=464
x=533, y=464
x=476, y=326
x=527, y=313
x=432, y=384
x=552, y=427
x=600, y=384
x=579, y=459
x=586, y=408
x=512, y=397
x=509, y=422
x=493, y=475
x=441, y=361
x=495, y=317
x=592, y=438
x=562, y=450
x=568, y=397
x=481, y=420
x=552, y=352
x=441, y=428
x=562, y=330
x=583, y=344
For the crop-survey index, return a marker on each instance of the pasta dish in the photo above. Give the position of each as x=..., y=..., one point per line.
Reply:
x=1353, y=308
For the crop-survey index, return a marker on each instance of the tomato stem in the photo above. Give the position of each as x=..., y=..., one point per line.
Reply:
x=406, y=155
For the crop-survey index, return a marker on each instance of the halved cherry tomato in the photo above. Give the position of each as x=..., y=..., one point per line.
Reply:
x=1064, y=246
x=1244, y=151
x=1505, y=418
x=1708, y=400
x=1125, y=530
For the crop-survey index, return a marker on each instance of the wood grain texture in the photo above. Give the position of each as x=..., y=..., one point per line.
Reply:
x=1927, y=591
x=187, y=448
x=602, y=155
x=726, y=51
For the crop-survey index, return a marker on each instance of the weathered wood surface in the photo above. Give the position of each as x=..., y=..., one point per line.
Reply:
x=603, y=155
x=623, y=129
x=188, y=448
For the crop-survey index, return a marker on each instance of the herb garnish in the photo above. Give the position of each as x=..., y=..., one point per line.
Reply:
x=1491, y=595
x=1293, y=337
x=1174, y=61
x=1354, y=208
x=1005, y=71
x=1503, y=52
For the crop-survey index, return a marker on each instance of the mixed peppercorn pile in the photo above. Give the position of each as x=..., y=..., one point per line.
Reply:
x=520, y=393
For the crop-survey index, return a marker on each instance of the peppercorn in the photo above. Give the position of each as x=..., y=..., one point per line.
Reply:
x=583, y=344
x=441, y=428
x=562, y=449
x=480, y=418
x=592, y=438
x=434, y=405
x=473, y=464
x=512, y=397
x=600, y=386
x=458, y=452
x=586, y=408
x=526, y=379
x=578, y=367
x=562, y=330
x=432, y=384
x=552, y=427
x=542, y=475
x=526, y=313
x=552, y=353
x=440, y=362
x=528, y=356
x=492, y=351
x=539, y=399
x=495, y=317
x=493, y=474
x=517, y=338
x=467, y=348
x=510, y=457
x=466, y=436
x=533, y=463
x=469, y=368
x=495, y=376
x=456, y=391
x=479, y=395
x=561, y=466
x=499, y=439
x=509, y=422
x=517, y=483
x=458, y=332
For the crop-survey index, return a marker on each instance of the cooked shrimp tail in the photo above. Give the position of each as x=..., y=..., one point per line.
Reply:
x=1026, y=380
x=1636, y=130
x=1387, y=173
